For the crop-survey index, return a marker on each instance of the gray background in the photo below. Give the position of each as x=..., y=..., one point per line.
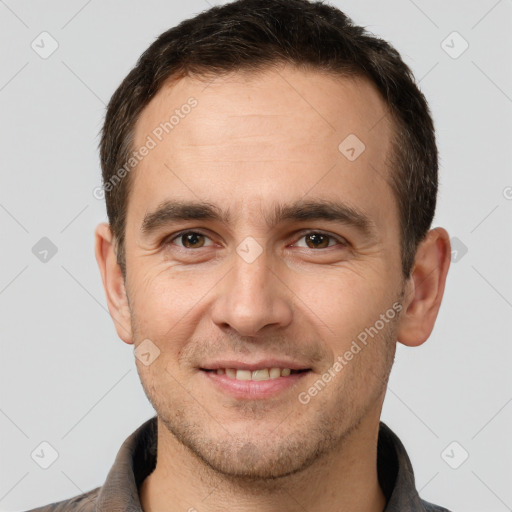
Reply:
x=68, y=380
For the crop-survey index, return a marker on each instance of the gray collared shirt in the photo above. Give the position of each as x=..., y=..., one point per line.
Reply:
x=136, y=459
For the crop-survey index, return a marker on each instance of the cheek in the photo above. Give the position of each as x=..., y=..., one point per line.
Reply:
x=165, y=302
x=343, y=303
x=347, y=315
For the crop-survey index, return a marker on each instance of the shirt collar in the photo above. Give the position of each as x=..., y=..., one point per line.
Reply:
x=136, y=459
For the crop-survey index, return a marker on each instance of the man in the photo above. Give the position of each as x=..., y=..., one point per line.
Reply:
x=270, y=172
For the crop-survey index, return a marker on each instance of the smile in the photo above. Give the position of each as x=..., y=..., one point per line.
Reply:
x=260, y=374
x=252, y=385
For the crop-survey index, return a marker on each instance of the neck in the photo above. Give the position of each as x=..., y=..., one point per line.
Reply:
x=343, y=480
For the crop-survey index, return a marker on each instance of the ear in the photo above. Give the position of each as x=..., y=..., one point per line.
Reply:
x=113, y=282
x=425, y=287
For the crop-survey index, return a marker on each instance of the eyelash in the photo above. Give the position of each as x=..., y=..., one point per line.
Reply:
x=343, y=242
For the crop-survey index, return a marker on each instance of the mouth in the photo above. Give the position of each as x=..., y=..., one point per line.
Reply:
x=260, y=374
x=261, y=383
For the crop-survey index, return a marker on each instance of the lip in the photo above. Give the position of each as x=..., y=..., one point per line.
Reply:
x=256, y=365
x=252, y=389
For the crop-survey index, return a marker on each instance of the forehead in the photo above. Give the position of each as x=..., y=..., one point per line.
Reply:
x=308, y=105
x=263, y=137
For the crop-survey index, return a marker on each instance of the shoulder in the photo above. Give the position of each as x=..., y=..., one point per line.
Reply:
x=430, y=507
x=83, y=503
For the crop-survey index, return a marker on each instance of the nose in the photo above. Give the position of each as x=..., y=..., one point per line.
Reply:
x=251, y=297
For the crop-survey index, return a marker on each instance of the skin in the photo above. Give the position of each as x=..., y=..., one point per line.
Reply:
x=254, y=141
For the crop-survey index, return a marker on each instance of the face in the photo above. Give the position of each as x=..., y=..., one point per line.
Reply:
x=295, y=258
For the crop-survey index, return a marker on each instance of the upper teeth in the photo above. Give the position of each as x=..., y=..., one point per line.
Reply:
x=263, y=374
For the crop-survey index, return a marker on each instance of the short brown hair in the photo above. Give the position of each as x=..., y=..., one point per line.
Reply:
x=251, y=35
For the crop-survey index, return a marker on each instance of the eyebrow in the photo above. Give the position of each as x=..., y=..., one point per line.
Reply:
x=168, y=212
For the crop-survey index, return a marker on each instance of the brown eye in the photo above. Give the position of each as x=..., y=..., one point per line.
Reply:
x=190, y=240
x=318, y=240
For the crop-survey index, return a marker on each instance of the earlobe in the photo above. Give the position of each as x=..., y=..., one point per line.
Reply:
x=113, y=282
x=425, y=288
